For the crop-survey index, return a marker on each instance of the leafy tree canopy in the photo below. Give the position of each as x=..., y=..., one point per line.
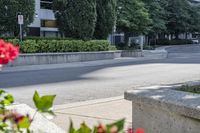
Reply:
x=76, y=18
x=132, y=16
x=106, y=18
x=157, y=14
x=8, y=14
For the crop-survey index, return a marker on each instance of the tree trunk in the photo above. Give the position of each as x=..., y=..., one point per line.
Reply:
x=186, y=35
x=126, y=38
x=176, y=35
x=147, y=40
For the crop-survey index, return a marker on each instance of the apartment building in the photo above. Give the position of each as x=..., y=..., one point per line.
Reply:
x=44, y=24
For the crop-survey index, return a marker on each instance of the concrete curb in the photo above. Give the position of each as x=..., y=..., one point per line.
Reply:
x=163, y=47
x=85, y=103
x=70, y=65
x=156, y=54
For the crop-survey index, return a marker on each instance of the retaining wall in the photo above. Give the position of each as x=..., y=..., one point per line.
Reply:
x=164, y=110
x=59, y=58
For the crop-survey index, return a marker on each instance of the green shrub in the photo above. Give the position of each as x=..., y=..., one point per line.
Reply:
x=50, y=46
x=173, y=42
x=193, y=89
x=36, y=38
x=112, y=47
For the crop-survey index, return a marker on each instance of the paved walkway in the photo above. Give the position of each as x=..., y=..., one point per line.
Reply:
x=94, y=112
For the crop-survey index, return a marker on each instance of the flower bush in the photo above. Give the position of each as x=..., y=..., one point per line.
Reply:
x=117, y=127
x=14, y=122
x=8, y=52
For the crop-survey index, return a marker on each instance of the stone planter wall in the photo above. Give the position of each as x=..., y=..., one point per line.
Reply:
x=164, y=110
x=131, y=53
x=59, y=58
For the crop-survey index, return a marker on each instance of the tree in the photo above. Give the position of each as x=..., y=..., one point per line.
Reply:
x=178, y=17
x=76, y=18
x=9, y=10
x=132, y=17
x=158, y=16
x=194, y=20
x=106, y=18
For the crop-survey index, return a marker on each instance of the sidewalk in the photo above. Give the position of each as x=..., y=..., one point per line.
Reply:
x=93, y=112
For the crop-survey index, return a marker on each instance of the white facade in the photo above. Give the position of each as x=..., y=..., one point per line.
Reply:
x=43, y=15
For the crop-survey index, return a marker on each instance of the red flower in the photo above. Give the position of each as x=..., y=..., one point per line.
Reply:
x=130, y=130
x=139, y=130
x=101, y=128
x=8, y=52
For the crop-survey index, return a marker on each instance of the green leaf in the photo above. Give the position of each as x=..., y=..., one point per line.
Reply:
x=95, y=130
x=119, y=124
x=84, y=129
x=44, y=103
x=6, y=99
x=2, y=126
x=1, y=92
x=71, y=128
x=24, y=123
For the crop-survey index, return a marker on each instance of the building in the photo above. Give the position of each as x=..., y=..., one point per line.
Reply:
x=44, y=22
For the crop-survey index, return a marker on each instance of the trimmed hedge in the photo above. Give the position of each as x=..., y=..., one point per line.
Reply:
x=53, y=46
x=37, y=38
x=174, y=42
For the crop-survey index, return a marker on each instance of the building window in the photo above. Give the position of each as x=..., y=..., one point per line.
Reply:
x=46, y=4
x=49, y=23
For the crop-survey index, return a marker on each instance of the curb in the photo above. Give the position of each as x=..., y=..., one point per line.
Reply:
x=85, y=103
x=8, y=69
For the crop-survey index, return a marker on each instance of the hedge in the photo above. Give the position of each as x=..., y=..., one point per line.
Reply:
x=52, y=46
x=37, y=38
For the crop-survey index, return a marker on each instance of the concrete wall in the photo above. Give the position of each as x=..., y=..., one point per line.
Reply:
x=163, y=110
x=59, y=58
x=131, y=53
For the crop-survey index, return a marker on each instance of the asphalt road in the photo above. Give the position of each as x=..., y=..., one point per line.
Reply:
x=102, y=81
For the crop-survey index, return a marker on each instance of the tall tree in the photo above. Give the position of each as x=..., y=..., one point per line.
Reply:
x=158, y=16
x=178, y=17
x=8, y=14
x=132, y=17
x=106, y=18
x=194, y=20
x=76, y=18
